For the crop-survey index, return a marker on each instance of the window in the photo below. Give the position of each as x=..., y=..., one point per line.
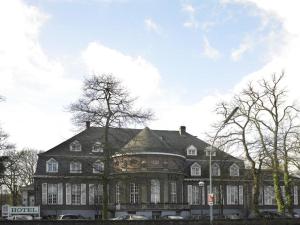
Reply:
x=195, y=170
x=52, y=166
x=234, y=170
x=95, y=194
x=232, y=195
x=52, y=194
x=98, y=167
x=215, y=170
x=269, y=195
x=75, y=146
x=75, y=167
x=134, y=193
x=75, y=194
x=196, y=195
x=117, y=193
x=97, y=147
x=173, y=192
x=295, y=195
x=191, y=150
x=155, y=191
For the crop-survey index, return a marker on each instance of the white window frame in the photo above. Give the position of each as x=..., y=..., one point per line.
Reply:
x=98, y=167
x=173, y=192
x=232, y=194
x=234, y=170
x=134, y=193
x=215, y=170
x=191, y=150
x=52, y=166
x=75, y=146
x=155, y=191
x=269, y=195
x=97, y=147
x=75, y=167
x=195, y=169
x=118, y=193
x=52, y=194
x=75, y=194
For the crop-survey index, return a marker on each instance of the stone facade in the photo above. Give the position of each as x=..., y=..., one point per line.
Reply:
x=152, y=173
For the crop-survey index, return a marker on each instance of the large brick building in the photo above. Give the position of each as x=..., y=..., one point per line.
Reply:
x=152, y=172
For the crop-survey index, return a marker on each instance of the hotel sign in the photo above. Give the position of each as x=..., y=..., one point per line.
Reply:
x=20, y=210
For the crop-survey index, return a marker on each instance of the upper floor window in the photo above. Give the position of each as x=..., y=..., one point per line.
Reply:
x=52, y=166
x=75, y=146
x=191, y=150
x=98, y=167
x=234, y=170
x=215, y=170
x=97, y=147
x=75, y=167
x=195, y=170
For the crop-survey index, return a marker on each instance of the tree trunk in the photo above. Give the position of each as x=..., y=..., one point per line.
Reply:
x=277, y=189
x=287, y=188
x=255, y=196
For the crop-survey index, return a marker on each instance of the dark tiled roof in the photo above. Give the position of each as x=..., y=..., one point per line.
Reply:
x=147, y=141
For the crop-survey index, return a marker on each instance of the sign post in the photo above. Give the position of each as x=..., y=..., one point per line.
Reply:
x=210, y=199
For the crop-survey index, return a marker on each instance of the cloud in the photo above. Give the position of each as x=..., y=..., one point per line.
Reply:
x=139, y=75
x=209, y=51
x=244, y=47
x=33, y=84
x=191, y=22
x=152, y=26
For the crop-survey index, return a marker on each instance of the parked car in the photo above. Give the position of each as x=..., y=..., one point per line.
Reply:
x=266, y=215
x=20, y=217
x=234, y=216
x=172, y=217
x=70, y=217
x=130, y=217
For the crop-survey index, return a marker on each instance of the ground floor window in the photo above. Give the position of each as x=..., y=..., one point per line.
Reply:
x=232, y=194
x=173, y=192
x=195, y=195
x=134, y=193
x=76, y=194
x=117, y=193
x=155, y=191
x=269, y=195
x=52, y=194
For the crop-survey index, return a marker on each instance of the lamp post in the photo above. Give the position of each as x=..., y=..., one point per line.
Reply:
x=211, y=149
x=201, y=185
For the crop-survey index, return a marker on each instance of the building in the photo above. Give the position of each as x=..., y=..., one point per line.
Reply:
x=152, y=173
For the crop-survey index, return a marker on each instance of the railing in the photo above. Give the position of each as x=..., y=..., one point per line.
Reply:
x=155, y=206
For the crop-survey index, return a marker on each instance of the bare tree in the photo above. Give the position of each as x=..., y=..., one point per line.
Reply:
x=106, y=103
x=268, y=126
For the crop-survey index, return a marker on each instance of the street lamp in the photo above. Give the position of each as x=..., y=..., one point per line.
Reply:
x=201, y=185
x=211, y=149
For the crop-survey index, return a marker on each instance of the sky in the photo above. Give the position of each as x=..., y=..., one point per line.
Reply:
x=178, y=57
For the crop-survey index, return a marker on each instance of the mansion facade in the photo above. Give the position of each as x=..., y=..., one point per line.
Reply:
x=151, y=172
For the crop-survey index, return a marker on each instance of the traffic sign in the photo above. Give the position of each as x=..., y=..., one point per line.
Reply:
x=210, y=199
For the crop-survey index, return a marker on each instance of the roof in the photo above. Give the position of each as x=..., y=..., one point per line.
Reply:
x=147, y=141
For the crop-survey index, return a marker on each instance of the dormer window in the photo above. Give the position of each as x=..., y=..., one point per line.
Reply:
x=191, y=150
x=234, y=170
x=97, y=147
x=215, y=170
x=98, y=167
x=51, y=166
x=75, y=146
x=195, y=170
x=75, y=167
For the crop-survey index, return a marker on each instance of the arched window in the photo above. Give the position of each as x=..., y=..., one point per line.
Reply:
x=234, y=170
x=51, y=166
x=75, y=167
x=155, y=191
x=97, y=147
x=98, y=167
x=191, y=150
x=215, y=170
x=195, y=170
x=75, y=146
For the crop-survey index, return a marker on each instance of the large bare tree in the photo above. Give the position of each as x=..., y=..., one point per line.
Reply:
x=265, y=126
x=106, y=103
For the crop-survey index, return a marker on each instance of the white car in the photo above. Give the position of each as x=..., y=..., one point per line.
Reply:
x=130, y=217
x=20, y=217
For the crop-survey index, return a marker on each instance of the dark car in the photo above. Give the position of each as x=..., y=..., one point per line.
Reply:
x=70, y=217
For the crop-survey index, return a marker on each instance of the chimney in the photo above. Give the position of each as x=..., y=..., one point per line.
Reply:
x=182, y=130
x=88, y=124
